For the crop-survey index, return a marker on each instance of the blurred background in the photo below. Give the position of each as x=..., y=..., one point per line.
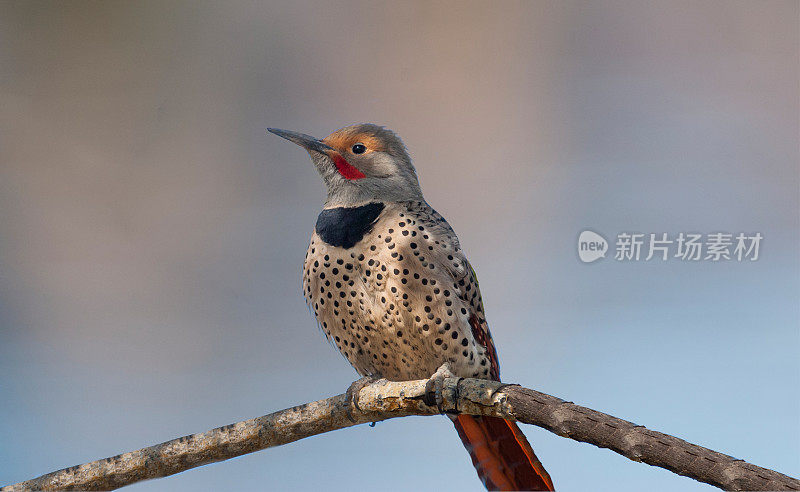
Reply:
x=152, y=234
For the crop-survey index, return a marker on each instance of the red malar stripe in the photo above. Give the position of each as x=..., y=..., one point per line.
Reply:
x=346, y=169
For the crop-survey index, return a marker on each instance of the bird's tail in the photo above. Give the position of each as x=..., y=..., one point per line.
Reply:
x=501, y=454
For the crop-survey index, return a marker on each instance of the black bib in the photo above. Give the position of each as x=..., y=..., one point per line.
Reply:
x=344, y=227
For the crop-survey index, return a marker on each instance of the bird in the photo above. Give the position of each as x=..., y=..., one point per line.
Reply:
x=390, y=286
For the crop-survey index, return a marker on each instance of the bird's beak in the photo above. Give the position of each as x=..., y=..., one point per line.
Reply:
x=306, y=141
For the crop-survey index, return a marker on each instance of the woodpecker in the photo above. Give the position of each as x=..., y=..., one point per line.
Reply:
x=390, y=285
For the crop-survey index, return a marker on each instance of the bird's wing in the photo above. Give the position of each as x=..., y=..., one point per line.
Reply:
x=463, y=277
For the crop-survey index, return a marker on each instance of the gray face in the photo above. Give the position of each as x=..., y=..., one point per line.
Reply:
x=359, y=164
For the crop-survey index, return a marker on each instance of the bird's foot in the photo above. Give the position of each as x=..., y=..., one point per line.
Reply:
x=352, y=394
x=435, y=385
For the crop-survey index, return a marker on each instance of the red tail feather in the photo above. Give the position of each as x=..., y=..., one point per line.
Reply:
x=501, y=454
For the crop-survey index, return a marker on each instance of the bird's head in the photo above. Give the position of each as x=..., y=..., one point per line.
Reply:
x=360, y=163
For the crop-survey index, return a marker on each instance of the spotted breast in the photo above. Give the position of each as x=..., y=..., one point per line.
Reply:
x=390, y=286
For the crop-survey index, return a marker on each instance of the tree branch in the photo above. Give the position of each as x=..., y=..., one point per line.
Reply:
x=384, y=400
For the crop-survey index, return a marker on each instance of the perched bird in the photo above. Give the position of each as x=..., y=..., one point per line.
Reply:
x=391, y=287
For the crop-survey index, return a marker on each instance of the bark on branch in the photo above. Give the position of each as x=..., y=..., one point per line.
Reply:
x=383, y=400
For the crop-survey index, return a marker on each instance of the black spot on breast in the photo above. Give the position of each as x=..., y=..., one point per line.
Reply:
x=344, y=227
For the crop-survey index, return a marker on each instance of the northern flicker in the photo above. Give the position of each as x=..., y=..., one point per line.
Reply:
x=390, y=286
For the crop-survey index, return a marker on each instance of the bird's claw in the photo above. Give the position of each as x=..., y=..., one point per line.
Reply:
x=435, y=386
x=352, y=394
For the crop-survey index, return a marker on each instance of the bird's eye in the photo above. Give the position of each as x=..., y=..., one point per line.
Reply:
x=359, y=148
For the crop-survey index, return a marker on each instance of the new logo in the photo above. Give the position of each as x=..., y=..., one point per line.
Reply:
x=591, y=246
